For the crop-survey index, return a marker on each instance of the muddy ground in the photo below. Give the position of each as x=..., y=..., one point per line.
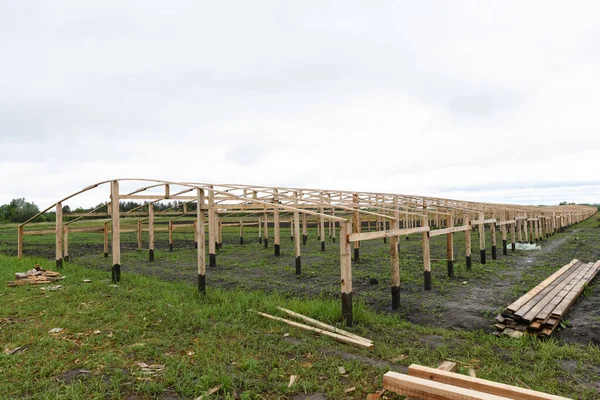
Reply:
x=470, y=300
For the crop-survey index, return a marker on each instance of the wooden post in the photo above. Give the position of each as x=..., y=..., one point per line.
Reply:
x=220, y=235
x=322, y=224
x=513, y=237
x=20, y=242
x=292, y=229
x=493, y=232
x=212, y=229
x=333, y=227
x=468, y=241
x=266, y=230
x=106, y=239
x=519, y=223
x=139, y=235
x=537, y=229
x=200, y=233
x=297, y=236
x=304, y=229
x=450, y=246
x=503, y=231
x=356, y=226
x=241, y=231
x=150, y=232
x=170, y=235
x=116, y=232
x=346, y=272
x=276, y=233
x=426, y=254
x=259, y=231
x=66, y=243
x=195, y=235
x=395, y=260
x=482, y=237
x=59, y=236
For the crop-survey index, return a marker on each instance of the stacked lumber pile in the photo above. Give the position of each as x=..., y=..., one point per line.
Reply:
x=35, y=276
x=430, y=383
x=541, y=309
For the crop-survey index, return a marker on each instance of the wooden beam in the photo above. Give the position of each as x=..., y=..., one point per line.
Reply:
x=445, y=231
x=66, y=243
x=450, y=246
x=426, y=253
x=430, y=390
x=150, y=232
x=481, y=385
x=297, y=239
x=276, y=230
x=212, y=228
x=355, y=237
x=20, y=242
x=395, y=260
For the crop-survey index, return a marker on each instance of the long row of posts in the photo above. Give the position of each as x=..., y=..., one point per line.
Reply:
x=523, y=227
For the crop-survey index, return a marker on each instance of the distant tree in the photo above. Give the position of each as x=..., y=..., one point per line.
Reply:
x=18, y=210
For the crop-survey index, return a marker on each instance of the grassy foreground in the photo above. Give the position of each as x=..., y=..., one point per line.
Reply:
x=201, y=343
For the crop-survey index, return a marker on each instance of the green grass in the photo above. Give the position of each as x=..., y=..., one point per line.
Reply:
x=215, y=340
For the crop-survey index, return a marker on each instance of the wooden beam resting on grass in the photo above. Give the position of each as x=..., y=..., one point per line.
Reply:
x=338, y=337
x=482, y=385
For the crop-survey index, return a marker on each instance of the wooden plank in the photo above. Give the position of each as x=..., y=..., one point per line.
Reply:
x=507, y=222
x=426, y=389
x=448, y=366
x=355, y=237
x=568, y=301
x=116, y=232
x=59, y=235
x=433, y=375
x=530, y=310
x=445, y=231
x=201, y=239
x=340, y=338
x=525, y=298
x=324, y=325
x=482, y=221
x=346, y=272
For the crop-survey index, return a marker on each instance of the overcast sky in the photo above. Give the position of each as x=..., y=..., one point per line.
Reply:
x=495, y=101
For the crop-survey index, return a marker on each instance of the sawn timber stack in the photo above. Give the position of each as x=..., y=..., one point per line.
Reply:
x=541, y=309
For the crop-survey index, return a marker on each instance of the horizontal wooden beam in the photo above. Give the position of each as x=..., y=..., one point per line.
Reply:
x=485, y=221
x=454, y=229
x=356, y=237
x=509, y=222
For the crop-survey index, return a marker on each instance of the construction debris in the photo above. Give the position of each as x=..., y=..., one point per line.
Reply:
x=430, y=383
x=540, y=311
x=35, y=276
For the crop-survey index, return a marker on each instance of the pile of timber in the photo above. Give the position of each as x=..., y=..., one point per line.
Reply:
x=541, y=309
x=35, y=276
x=430, y=383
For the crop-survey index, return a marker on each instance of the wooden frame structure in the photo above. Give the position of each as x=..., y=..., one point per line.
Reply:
x=394, y=215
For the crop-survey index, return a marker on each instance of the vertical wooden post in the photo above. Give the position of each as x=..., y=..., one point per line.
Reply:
x=503, y=231
x=259, y=231
x=346, y=272
x=170, y=235
x=220, y=235
x=241, y=231
x=297, y=235
x=20, y=242
x=482, y=237
x=212, y=229
x=493, y=232
x=276, y=233
x=59, y=236
x=116, y=232
x=537, y=229
x=468, y=241
x=322, y=225
x=106, y=239
x=195, y=235
x=513, y=237
x=333, y=227
x=150, y=232
x=139, y=235
x=395, y=260
x=518, y=224
x=304, y=230
x=201, y=235
x=426, y=254
x=66, y=243
x=450, y=246
x=406, y=222
x=292, y=229
x=266, y=230
x=356, y=225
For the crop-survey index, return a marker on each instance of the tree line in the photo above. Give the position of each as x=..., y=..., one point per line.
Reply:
x=19, y=210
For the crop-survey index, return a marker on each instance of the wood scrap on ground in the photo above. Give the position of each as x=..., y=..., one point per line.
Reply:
x=35, y=276
x=328, y=330
x=431, y=383
x=540, y=311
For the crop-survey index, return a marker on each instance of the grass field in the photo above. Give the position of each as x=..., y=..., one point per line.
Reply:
x=155, y=316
